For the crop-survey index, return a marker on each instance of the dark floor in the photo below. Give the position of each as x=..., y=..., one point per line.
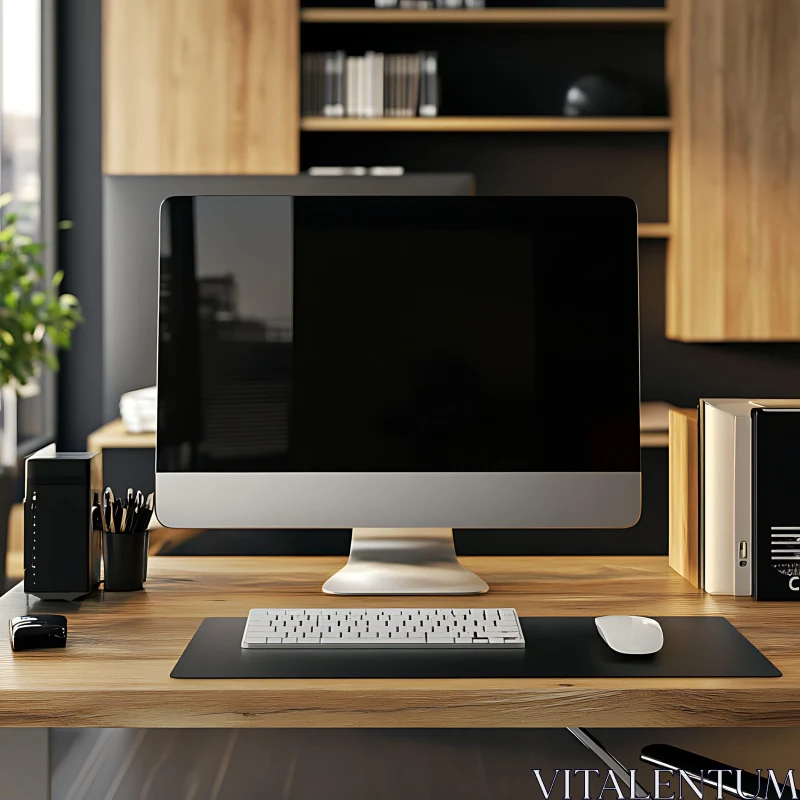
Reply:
x=370, y=765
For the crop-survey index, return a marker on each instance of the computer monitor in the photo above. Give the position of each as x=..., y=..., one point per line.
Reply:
x=401, y=366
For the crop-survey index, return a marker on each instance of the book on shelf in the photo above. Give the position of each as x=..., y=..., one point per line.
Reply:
x=429, y=86
x=333, y=88
x=351, y=96
x=335, y=84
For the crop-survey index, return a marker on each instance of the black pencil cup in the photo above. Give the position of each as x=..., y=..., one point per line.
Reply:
x=125, y=561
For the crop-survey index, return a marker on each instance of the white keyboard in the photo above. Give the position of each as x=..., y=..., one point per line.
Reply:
x=372, y=628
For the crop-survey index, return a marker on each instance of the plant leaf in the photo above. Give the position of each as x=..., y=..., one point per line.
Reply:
x=34, y=320
x=5, y=199
x=64, y=225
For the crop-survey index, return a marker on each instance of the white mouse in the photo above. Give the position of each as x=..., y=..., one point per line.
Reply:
x=632, y=636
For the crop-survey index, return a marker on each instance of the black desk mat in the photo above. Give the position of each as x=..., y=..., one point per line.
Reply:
x=556, y=647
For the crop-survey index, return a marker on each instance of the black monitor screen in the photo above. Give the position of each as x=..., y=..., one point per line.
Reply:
x=398, y=334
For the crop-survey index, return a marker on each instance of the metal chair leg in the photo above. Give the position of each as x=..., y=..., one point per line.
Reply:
x=614, y=764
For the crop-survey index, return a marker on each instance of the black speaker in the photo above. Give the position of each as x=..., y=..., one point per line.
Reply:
x=62, y=550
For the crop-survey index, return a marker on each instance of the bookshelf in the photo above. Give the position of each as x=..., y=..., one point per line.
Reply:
x=532, y=124
x=504, y=72
x=507, y=16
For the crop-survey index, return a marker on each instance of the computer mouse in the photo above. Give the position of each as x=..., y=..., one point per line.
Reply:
x=35, y=631
x=632, y=636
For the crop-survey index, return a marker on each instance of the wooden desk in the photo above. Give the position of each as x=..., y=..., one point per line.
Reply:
x=115, y=670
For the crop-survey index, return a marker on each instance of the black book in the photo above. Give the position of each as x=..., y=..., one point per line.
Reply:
x=305, y=86
x=776, y=511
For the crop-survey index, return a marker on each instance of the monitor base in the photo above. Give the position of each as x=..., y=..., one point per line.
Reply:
x=412, y=561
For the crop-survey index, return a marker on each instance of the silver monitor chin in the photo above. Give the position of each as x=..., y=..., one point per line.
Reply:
x=410, y=558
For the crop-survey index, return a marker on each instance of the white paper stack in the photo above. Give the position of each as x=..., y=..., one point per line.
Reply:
x=138, y=410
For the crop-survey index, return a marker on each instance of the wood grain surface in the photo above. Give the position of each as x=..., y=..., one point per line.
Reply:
x=114, y=434
x=519, y=124
x=734, y=260
x=654, y=230
x=520, y=16
x=121, y=648
x=684, y=488
x=200, y=87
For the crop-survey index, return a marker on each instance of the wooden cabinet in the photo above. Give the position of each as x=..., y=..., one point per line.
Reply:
x=200, y=86
x=734, y=259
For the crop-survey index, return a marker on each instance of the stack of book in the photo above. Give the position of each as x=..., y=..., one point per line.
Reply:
x=372, y=85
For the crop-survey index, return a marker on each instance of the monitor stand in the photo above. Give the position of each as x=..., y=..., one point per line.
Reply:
x=403, y=561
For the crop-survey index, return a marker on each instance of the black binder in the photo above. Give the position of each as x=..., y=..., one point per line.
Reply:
x=776, y=503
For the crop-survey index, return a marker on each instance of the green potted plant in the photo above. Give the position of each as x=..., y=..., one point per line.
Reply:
x=36, y=320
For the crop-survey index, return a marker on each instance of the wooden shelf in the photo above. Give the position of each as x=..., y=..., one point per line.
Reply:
x=654, y=230
x=654, y=439
x=654, y=422
x=541, y=16
x=490, y=124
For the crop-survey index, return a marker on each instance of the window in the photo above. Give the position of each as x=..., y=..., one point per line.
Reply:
x=26, y=123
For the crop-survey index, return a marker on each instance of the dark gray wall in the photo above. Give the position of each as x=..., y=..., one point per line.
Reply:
x=80, y=383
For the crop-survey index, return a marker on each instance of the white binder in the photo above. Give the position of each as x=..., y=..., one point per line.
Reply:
x=726, y=496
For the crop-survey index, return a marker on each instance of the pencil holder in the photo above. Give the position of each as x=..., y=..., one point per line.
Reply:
x=125, y=561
